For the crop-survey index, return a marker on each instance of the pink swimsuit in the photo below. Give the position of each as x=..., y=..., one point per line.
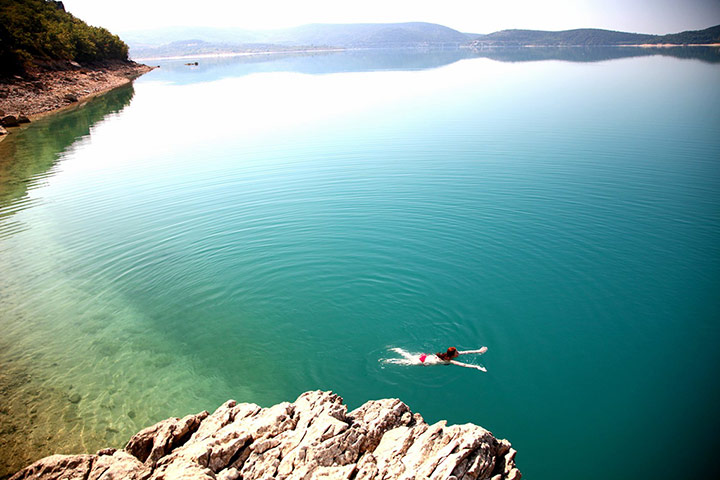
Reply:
x=422, y=358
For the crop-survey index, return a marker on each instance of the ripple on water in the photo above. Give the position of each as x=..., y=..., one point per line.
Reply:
x=142, y=283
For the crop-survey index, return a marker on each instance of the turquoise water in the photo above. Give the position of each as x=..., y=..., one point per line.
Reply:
x=253, y=229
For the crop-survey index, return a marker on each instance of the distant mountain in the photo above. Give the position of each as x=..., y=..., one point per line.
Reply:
x=170, y=41
x=195, y=47
x=163, y=36
x=369, y=35
x=336, y=35
x=592, y=37
x=195, y=41
x=584, y=36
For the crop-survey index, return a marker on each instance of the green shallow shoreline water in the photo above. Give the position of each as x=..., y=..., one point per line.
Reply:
x=51, y=402
x=333, y=207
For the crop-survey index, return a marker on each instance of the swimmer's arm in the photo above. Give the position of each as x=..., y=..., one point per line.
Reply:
x=480, y=351
x=460, y=364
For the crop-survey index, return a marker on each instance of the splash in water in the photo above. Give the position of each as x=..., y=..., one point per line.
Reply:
x=406, y=358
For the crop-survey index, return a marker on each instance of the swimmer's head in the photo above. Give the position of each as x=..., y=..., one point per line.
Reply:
x=449, y=355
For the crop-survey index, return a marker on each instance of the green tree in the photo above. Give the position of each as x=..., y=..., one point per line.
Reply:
x=37, y=30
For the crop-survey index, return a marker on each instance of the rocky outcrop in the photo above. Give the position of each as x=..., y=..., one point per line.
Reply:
x=313, y=438
x=51, y=89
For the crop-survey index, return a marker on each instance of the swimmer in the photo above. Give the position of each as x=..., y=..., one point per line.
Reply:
x=447, y=357
x=444, y=358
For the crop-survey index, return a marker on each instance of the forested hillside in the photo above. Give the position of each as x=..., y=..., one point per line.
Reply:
x=583, y=36
x=593, y=37
x=33, y=32
x=707, y=36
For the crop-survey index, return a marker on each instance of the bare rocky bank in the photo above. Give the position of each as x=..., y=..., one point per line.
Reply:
x=315, y=437
x=46, y=90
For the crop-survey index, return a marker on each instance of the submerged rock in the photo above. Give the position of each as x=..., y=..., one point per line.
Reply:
x=313, y=438
x=9, y=121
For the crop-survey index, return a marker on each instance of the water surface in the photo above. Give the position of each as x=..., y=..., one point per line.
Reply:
x=252, y=230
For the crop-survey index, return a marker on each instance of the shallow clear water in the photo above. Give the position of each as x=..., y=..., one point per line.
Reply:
x=255, y=228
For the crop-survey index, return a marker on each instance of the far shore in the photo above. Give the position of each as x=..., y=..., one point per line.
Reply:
x=671, y=45
x=345, y=49
x=634, y=45
x=239, y=54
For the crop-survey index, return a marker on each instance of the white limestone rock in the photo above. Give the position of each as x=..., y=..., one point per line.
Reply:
x=313, y=438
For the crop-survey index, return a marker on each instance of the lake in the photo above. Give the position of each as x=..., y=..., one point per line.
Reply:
x=255, y=227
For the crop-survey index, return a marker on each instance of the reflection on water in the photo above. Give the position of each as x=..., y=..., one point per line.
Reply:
x=175, y=70
x=28, y=155
x=315, y=63
x=595, y=54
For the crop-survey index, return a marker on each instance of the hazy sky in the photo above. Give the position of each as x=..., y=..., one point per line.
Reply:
x=476, y=16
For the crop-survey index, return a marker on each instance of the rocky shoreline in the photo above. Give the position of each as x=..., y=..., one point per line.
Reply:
x=315, y=437
x=51, y=89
